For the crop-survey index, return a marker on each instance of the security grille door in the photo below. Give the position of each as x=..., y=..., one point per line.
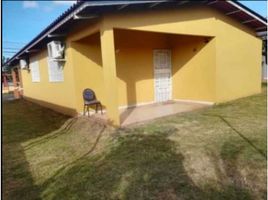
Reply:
x=162, y=75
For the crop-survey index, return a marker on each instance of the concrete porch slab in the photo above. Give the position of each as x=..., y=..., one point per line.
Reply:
x=144, y=113
x=149, y=112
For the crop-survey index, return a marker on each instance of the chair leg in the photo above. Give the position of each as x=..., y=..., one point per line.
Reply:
x=84, y=111
x=101, y=109
x=88, y=111
x=96, y=108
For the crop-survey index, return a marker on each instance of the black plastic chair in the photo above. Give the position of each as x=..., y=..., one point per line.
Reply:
x=89, y=100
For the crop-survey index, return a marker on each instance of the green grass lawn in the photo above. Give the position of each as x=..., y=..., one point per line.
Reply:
x=215, y=153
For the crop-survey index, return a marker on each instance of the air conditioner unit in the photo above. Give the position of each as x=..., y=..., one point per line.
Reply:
x=55, y=50
x=24, y=64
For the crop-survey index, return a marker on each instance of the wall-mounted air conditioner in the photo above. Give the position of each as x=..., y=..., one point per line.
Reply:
x=55, y=50
x=24, y=64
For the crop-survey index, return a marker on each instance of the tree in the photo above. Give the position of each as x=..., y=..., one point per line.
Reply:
x=4, y=67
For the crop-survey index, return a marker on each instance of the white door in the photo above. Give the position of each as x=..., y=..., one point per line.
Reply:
x=162, y=75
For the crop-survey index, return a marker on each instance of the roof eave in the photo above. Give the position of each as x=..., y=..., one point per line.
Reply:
x=74, y=10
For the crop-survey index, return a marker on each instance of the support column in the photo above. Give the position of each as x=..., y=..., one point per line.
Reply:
x=14, y=79
x=15, y=84
x=20, y=80
x=5, y=83
x=109, y=74
x=5, y=80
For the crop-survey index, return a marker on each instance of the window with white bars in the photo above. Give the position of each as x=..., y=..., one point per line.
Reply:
x=55, y=71
x=34, y=67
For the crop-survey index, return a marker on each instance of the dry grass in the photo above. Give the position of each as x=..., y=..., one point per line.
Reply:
x=215, y=153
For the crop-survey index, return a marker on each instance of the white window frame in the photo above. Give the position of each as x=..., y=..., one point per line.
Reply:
x=55, y=70
x=34, y=69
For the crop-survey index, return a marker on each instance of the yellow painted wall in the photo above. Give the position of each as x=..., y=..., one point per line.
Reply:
x=109, y=74
x=238, y=56
x=188, y=21
x=193, y=66
x=194, y=69
x=135, y=76
x=134, y=65
x=56, y=95
x=88, y=71
x=66, y=96
x=226, y=68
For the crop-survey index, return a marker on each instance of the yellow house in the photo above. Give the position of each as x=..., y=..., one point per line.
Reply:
x=140, y=52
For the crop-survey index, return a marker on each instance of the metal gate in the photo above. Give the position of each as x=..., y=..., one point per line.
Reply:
x=162, y=75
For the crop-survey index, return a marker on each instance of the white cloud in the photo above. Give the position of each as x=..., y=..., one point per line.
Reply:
x=48, y=8
x=30, y=4
x=64, y=2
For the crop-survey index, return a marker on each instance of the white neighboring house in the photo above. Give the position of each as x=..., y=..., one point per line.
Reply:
x=263, y=36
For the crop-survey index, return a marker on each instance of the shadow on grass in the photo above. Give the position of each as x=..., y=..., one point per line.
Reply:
x=17, y=178
x=228, y=169
x=139, y=166
x=23, y=121
x=228, y=175
x=263, y=154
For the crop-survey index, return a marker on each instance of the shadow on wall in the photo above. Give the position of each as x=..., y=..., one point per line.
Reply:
x=90, y=48
x=134, y=60
x=168, y=16
x=61, y=109
x=88, y=67
x=199, y=15
x=138, y=167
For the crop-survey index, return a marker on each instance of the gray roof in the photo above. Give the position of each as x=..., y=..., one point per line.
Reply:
x=95, y=8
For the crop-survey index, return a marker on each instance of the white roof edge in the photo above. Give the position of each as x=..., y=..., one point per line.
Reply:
x=246, y=11
x=104, y=3
x=77, y=10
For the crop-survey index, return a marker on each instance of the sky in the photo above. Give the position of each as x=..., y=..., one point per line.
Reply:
x=23, y=20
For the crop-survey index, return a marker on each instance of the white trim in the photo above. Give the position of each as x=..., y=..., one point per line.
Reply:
x=58, y=76
x=85, y=17
x=195, y=101
x=182, y=2
x=212, y=2
x=244, y=10
x=135, y=105
x=76, y=11
x=155, y=4
x=32, y=50
x=233, y=12
x=35, y=70
x=56, y=35
x=90, y=4
x=262, y=34
x=248, y=21
x=260, y=28
x=71, y=15
x=122, y=7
